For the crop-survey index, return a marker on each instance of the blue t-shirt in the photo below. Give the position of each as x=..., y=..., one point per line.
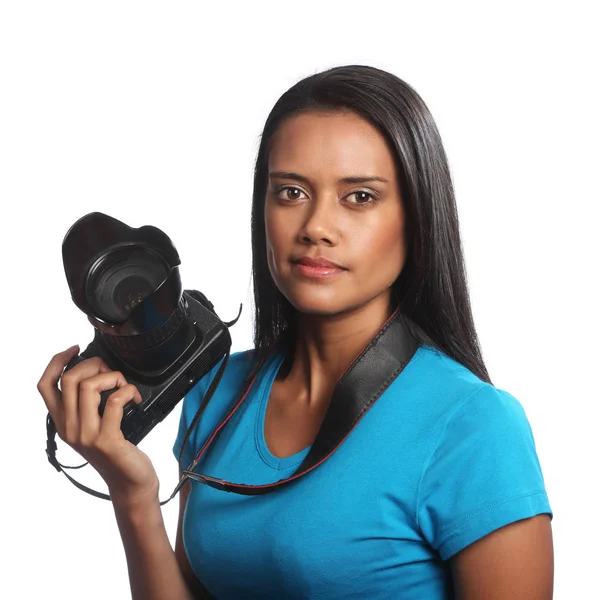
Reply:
x=440, y=460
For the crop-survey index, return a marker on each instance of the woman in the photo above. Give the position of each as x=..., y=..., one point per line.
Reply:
x=438, y=492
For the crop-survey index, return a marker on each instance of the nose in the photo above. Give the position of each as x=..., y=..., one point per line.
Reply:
x=320, y=224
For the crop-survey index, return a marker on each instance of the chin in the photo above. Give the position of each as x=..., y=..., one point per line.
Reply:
x=322, y=305
x=331, y=302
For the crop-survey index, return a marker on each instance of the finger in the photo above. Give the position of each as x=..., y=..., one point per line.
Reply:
x=84, y=369
x=113, y=411
x=48, y=386
x=90, y=398
x=70, y=383
x=53, y=371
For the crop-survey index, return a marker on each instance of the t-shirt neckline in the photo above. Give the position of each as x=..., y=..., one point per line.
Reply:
x=267, y=378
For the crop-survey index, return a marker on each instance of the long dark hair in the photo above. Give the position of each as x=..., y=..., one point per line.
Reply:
x=432, y=289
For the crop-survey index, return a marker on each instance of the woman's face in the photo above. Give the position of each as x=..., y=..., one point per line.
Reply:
x=312, y=213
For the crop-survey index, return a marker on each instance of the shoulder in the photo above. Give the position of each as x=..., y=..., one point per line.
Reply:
x=449, y=405
x=434, y=385
x=480, y=402
x=433, y=362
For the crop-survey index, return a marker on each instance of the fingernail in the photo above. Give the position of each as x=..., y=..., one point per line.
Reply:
x=73, y=348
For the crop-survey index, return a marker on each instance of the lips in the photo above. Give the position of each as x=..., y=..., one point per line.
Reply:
x=317, y=269
x=318, y=263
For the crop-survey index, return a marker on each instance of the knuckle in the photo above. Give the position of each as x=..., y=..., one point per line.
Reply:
x=87, y=442
x=121, y=380
x=100, y=364
x=86, y=385
x=68, y=378
x=114, y=399
x=102, y=446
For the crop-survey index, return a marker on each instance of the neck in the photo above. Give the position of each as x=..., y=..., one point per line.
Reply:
x=325, y=346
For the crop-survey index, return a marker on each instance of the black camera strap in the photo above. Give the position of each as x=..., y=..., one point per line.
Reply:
x=51, y=454
x=368, y=376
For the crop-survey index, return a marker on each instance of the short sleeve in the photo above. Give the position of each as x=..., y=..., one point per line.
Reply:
x=483, y=474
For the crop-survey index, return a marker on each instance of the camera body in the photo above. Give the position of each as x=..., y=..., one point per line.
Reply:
x=161, y=390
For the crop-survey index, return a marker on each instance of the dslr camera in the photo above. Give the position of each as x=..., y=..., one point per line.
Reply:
x=161, y=337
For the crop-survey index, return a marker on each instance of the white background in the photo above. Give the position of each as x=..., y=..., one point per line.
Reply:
x=151, y=112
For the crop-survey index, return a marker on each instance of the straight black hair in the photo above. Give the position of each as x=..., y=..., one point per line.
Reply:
x=432, y=289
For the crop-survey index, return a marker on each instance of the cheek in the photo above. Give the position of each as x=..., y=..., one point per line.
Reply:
x=276, y=236
x=382, y=251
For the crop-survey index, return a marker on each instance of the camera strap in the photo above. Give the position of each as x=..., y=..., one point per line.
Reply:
x=367, y=377
x=51, y=454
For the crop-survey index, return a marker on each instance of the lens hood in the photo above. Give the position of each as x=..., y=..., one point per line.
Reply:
x=126, y=280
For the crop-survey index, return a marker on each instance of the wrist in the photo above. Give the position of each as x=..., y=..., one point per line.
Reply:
x=134, y=497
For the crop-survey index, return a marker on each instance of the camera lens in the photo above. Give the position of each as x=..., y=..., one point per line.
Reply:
x=123, y=278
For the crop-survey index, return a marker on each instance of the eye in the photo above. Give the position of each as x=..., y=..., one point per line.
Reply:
x=360, y=197
x=287, y=198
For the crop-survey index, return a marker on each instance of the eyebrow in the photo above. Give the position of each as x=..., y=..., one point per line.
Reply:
x=356, y=179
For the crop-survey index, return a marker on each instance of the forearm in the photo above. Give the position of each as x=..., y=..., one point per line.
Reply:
x=154, y=572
